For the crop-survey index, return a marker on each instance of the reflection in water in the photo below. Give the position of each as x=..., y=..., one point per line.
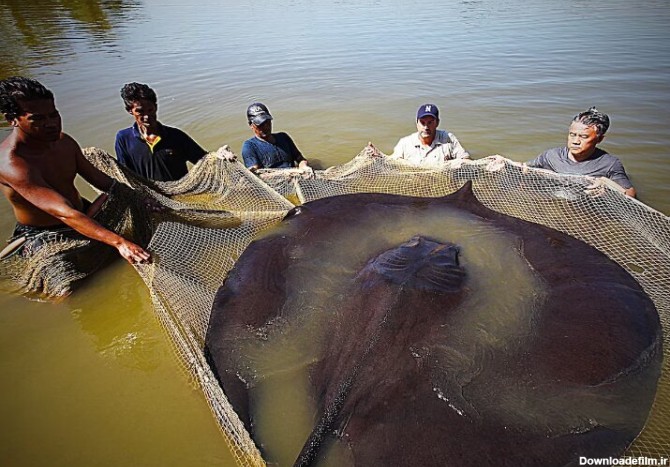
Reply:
x=93, y=380
x=121, y=329
x=35, y=38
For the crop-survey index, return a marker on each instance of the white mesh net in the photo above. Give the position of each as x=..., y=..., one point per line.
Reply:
x=219, y=207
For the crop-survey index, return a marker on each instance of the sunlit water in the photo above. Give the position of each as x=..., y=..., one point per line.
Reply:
x=91, y=381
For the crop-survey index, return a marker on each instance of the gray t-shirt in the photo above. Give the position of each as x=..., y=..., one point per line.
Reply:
x=600, y=164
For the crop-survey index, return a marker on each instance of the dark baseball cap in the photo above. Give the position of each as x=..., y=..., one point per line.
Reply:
x=258, y=113
x=428, y=109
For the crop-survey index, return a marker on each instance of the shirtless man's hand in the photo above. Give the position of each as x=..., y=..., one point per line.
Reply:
x=133, y=253
x=38, y=165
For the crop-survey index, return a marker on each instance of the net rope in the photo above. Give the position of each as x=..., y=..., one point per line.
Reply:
x=220, y=207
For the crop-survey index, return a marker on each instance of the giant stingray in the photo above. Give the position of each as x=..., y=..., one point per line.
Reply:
x=416, y=362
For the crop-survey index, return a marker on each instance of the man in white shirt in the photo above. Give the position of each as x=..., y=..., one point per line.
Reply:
x=429, y=146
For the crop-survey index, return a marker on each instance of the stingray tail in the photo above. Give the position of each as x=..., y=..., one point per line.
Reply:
x=311, y=447
x=313, y=444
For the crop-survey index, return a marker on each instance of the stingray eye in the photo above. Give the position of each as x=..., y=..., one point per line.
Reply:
x=414, y=241
x=294, y=212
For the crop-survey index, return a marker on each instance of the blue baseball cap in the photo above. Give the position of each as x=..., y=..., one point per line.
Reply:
x=428, y=109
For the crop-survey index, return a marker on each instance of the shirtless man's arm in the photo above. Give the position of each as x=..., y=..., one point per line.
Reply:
x=38, y=165
x=30, y=184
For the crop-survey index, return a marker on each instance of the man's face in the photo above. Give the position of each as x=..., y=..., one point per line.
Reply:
x=427, y=127
x=264, y=130
x=144, y=113
x=582, y=140
x=40, y=120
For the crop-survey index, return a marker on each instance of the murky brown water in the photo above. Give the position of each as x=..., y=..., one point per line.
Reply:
x=92, y=380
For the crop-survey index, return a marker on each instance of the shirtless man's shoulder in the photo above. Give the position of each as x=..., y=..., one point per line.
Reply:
x=54, y=166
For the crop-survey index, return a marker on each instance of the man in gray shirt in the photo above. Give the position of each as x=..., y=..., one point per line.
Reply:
x=581, y=156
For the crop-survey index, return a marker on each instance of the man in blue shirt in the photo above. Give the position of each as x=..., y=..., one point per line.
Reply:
x=267, y=150
x=149, y=148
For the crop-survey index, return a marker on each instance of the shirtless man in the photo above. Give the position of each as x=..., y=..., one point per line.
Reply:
x=38, y=165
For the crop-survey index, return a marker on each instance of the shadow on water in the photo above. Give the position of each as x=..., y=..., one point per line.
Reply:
x=44, y=32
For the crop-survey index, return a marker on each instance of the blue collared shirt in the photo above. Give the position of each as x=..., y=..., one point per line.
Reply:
x=166, y=161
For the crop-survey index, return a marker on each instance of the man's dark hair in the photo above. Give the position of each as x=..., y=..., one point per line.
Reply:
x=18, y=88
x=593, y=117
x=133, y=92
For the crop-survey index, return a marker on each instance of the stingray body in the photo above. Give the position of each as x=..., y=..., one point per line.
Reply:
x=395, y=381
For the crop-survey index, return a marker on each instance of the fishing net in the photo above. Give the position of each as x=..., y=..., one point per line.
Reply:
x=51, y=263
x=220, y=207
